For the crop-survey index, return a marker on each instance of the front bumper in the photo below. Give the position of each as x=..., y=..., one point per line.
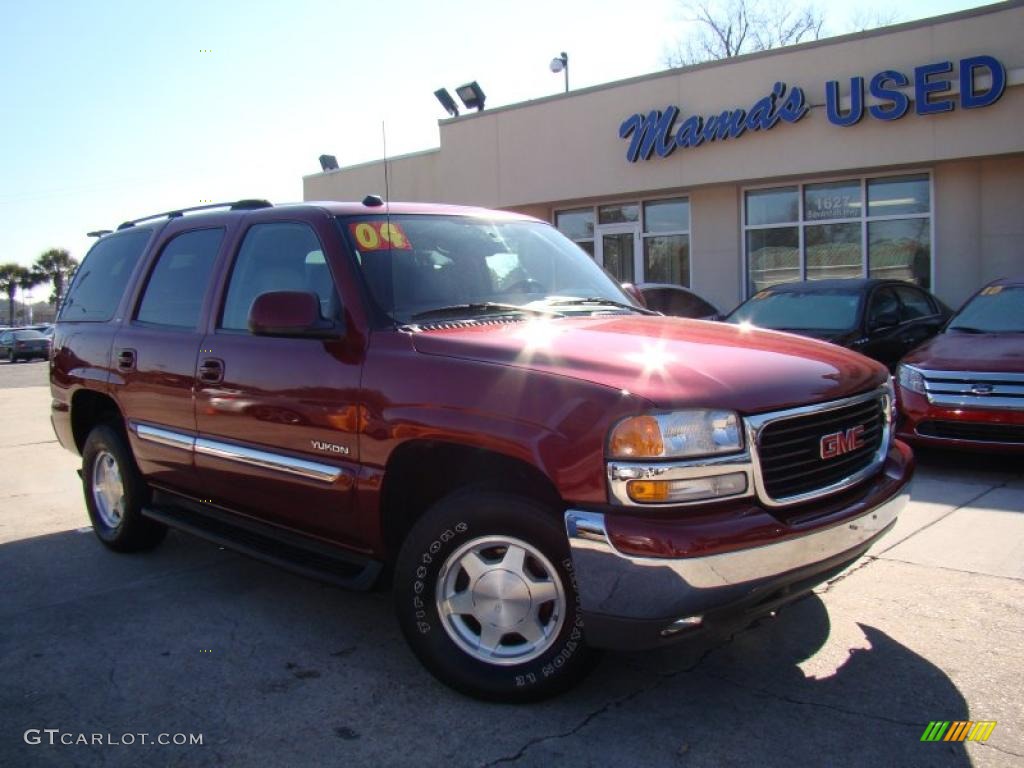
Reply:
x=634, y=602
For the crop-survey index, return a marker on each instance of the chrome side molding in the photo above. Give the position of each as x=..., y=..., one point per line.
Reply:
x=279, y=462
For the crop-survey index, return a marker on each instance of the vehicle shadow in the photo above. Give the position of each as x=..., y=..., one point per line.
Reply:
x=273, y=669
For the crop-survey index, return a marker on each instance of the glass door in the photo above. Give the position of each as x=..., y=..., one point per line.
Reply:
x=618, y=251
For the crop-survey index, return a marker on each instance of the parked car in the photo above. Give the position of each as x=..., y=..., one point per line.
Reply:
x=23, y=344
x=883, y=319
x=677, y=301
x=463, y=399
x=965, y=387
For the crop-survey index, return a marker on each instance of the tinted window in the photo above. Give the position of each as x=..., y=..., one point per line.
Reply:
x=827, y=310
x=277, y=257
x=915, y=304
x=885, y=308
x=174, y=294
x=100, y=281
x=997, y=309
x=677, y=303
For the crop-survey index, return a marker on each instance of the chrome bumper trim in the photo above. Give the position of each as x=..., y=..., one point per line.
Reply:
x=612, y=583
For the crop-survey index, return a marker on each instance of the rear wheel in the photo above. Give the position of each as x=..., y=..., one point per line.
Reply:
x=115, y=493
x=486, y=598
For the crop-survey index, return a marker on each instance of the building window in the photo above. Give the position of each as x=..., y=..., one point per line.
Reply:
x=825, y=230
x=667, y=241
x=635, y=241
x=578, y=226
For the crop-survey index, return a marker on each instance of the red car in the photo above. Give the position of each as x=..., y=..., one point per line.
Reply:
x=965, y=387
x=462, y=402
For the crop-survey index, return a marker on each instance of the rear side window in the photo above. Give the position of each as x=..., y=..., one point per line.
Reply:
x=283, y=256
x=915, y=304
x=174, y=293
x=100, y=281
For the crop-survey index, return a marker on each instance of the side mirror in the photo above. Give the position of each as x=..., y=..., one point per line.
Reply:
x=289, y=313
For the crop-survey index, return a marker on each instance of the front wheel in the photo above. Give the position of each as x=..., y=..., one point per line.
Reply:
x=115, y=493
x=486, y=597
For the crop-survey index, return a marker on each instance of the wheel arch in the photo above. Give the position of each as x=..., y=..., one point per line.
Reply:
x=420, y=472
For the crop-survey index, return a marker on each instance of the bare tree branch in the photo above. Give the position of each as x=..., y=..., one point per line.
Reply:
x=721, y=29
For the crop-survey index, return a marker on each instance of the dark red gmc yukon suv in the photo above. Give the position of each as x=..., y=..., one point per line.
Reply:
x=462, y=403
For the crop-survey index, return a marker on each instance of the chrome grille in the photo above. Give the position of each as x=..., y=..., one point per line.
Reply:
x=965, y=389
x=787, y=446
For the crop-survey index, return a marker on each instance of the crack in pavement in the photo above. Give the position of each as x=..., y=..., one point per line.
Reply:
x=997, y=749
x=949, y=568
x=662, y=678
x=792, y=700
x=937, y=520
x=868, y=560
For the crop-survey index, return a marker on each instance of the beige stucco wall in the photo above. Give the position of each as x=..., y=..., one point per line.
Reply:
x=562, y=151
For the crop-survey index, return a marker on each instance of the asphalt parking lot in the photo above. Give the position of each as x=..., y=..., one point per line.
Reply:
x=272, y=669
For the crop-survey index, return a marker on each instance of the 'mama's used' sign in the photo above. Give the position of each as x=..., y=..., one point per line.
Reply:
x=662, y=131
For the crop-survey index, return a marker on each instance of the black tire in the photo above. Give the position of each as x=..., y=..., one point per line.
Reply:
x=131, y=532
x=448, y=528
x=11, y=357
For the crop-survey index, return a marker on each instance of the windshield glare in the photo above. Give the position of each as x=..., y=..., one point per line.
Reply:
x=415, y=264
x=827, y=310
x=997, y=309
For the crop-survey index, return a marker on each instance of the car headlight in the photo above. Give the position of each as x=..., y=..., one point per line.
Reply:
x=910, y=378
x=680, y=434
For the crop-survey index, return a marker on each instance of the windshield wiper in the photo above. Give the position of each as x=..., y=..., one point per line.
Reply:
x=480, y=308
x=598, y=300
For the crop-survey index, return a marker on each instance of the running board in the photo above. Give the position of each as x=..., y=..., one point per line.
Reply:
x=294, y=552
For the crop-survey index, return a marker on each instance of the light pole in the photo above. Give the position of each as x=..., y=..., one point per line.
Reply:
x=561, y=64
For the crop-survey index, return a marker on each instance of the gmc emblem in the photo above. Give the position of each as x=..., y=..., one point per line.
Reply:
x=837, y=443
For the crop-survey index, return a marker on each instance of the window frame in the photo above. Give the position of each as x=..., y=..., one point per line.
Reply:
x=151, y=267
x=238, y=243
x=864, y=220
x=641, y=223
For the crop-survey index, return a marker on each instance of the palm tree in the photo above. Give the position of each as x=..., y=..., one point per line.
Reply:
x=12, y=277
x=57, y=266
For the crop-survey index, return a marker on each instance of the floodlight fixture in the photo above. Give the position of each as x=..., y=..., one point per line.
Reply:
x=561, y=64
x=328, y=162
x=472, y=95
x=447, y=101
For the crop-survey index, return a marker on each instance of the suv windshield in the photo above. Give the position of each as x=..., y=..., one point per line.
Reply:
x=997, y=309
x=428, y=267
x=827, y=310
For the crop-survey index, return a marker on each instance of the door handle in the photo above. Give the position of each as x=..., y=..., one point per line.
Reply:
x=211, y=370
x=126, y=360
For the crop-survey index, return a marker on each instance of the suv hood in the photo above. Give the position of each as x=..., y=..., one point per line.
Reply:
x=979, y=352
x=672, y=362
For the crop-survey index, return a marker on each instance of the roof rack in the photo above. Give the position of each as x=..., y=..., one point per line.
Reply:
x=238, y=205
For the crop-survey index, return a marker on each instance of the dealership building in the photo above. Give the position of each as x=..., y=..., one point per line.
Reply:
x=897, y=152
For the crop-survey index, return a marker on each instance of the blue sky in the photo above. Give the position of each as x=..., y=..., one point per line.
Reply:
x=114, y=110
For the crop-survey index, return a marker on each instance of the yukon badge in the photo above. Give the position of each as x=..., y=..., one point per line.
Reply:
x=837, y=443
x=320, y=445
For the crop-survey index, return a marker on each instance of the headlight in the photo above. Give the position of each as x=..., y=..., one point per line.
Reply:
x=910, y=378
x=676, y=435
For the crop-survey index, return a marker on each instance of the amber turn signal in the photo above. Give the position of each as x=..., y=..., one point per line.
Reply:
x=637, y=437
